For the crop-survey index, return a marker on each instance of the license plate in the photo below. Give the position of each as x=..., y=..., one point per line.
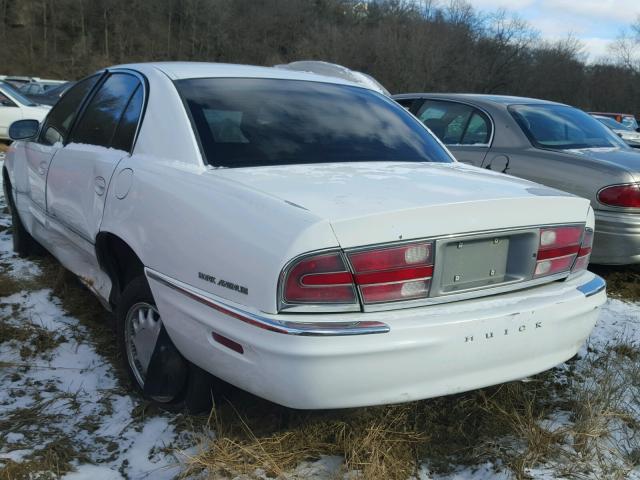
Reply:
x=473, y=264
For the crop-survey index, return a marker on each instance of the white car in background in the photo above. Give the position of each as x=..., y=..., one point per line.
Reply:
x=628, y=134
x=15, y=106
x=299, y=236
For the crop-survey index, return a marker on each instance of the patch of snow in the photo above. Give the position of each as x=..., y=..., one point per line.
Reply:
x=75, y=387
x=15, y=455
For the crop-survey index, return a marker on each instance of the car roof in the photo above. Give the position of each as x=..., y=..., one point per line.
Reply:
x=481, y=99
x=189, y=70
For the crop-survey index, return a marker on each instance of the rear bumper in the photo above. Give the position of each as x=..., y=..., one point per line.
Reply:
x=617, y=238
x=427, y=352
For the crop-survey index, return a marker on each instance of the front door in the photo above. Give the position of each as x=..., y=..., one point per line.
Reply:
x=53, y=134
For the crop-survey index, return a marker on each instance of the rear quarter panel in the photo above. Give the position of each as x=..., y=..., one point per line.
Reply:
x=183, y=220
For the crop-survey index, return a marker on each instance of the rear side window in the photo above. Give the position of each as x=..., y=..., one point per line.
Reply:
x=478, y=130
x=98, y=123
x=455, y=123
x=60, y=118
x=246, y=122
x=126, y=130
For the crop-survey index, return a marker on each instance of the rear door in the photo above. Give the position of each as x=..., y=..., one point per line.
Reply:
x=80, y=172
x=464, y=129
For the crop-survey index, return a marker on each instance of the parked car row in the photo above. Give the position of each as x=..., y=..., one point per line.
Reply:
x=48, y=96
x=626, y=119
x=308, y=239
x=626, y=133
x=15, y=106
x=549, y=143
x=38, y=90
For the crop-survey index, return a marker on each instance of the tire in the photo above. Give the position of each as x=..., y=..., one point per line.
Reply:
x=147, y=351
x=23, y=243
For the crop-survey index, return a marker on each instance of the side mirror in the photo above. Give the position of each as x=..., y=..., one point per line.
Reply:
x=638, y=129
x=23, y=129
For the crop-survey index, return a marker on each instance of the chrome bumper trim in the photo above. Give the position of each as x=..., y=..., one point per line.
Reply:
x=596, y=285
x=313, y=329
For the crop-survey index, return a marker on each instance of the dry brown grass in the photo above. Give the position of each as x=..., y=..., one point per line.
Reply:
x=390, y=442
x=508, y=425
x=622, y=282
x=378, y=442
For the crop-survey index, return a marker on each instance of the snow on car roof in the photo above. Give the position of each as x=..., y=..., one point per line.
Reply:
x=185, y=70
x=335, y=70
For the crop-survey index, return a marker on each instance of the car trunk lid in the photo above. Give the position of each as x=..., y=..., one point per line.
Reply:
x=371, y=203
x=483, y=227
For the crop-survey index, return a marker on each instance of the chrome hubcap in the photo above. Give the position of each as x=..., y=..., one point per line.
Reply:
x=142, y=327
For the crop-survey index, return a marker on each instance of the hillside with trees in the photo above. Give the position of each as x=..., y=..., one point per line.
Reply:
x=407, y=45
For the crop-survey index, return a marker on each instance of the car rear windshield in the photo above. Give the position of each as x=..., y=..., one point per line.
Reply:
x=246, y=122
x=563, y=127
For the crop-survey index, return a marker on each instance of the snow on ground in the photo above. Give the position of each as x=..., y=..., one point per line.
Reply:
x=72, y=394
x=72, y=390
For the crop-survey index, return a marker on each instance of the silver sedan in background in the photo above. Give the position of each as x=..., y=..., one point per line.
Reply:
x=549, y=143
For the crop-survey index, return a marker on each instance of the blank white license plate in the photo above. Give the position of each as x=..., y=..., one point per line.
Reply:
x=474, y=263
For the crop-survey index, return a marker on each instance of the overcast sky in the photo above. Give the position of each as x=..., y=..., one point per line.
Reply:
x=595, y=22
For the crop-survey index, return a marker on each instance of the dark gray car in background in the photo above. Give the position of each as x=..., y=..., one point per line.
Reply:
x=549, y=143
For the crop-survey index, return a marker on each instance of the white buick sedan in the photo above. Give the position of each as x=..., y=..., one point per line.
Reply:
x=299, y=236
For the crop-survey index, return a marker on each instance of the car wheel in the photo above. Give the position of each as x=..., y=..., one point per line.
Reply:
x=155, y=366
x=23, y=243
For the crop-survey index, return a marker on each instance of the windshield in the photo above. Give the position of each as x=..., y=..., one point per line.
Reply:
x=611, y=123
x=245, y=122
x=563, y=128
x=16, y=95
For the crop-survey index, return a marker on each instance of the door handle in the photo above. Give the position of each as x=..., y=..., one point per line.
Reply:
x=42, y=168
x=100, y=185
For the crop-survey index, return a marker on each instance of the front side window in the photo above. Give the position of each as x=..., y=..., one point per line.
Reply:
x=99, y=121
x=563, y=128
x=60, y=118
x=245, y=122
x=455, y=123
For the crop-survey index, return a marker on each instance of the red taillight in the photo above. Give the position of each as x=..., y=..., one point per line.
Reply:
x=557, y=249
x=392, y=274
x=383, y=275
x=322, y=278
x=582, y=262
x=620, y=196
